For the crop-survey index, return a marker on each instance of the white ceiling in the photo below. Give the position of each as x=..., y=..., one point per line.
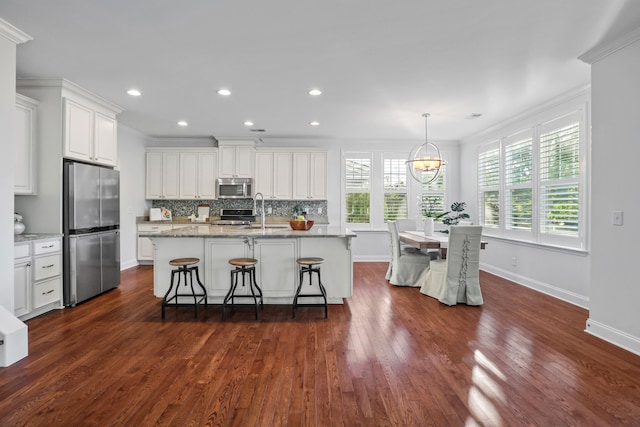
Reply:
x=379, y=63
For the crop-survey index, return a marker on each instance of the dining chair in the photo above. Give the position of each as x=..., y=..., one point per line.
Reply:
x=405, y=224
x=407, y=268
x=457, y=278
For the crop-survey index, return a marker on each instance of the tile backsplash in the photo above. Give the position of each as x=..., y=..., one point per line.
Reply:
x=279, y=208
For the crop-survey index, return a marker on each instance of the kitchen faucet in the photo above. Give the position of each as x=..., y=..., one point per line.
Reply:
x=255, y=198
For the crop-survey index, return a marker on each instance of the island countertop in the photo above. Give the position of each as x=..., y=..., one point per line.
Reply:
x=253, y=231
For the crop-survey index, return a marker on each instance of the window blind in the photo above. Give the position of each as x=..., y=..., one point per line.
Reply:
x=358, y=186
x=489, y=186
x=433, y=200
x=518, y=168
x=395, y=189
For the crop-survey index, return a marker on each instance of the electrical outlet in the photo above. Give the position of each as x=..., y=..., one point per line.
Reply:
x=269, y=210
x=514, y=261
x=617, y=217
x=319, y=210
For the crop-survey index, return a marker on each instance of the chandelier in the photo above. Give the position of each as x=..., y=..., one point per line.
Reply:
x=425, y=162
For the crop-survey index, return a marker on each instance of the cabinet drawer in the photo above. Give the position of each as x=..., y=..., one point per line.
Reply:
x=46, y=292
x=46, y=266
x=46, y=247
x=21, y=251
x=153, y=228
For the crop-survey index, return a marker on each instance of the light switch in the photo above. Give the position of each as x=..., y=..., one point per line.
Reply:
x=617, y=217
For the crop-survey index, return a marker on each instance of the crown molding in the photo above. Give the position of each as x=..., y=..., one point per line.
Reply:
x=13, y=34
x=603, y=50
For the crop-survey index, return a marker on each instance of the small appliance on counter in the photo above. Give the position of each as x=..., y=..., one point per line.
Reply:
x=235, y=217
x=203, y=212
x=18, y=226
x=155, y=214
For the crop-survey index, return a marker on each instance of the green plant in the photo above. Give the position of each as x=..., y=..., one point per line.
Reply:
x=430, y=208
x=455, y=215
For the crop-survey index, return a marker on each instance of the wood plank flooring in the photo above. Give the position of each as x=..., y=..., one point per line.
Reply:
x=388, y=357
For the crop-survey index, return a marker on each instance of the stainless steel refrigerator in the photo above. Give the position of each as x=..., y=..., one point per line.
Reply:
x=91, y=226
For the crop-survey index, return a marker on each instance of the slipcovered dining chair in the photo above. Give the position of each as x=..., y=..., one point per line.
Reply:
x=457, y=279
x=407, y=225
x=407, y=268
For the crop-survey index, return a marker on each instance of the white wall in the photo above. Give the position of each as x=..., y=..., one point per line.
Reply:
x=7, y=124
x=131, y=163
x=614, y=314
x=564, y=274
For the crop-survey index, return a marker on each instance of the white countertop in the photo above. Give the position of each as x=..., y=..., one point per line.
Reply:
x=232, y=231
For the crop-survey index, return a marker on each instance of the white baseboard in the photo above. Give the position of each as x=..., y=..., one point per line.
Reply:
x=545, y=288
x=613, y=336
x=128, y=264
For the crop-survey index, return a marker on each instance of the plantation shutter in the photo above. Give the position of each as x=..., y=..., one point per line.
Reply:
x=489, y=185
x=358, y=189
x=433, y=193
x=395, y=189
x=559, y=186
x=518, y=170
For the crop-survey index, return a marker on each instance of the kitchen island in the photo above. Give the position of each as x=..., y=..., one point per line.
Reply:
x=276, y=248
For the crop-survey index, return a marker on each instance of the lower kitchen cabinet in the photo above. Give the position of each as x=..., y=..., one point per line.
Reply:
x=276, y=272
x=37, y=277
x=145, y=247
x=217, y=254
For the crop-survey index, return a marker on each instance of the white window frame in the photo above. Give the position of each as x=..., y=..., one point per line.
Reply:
x=571, y=115
x=401, y=157
x=493, y=146
x=343, y=204
x=518, y=137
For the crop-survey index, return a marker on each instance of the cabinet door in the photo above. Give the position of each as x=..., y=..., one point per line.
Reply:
x=227, y=161
x=282, y=176
x=145, y=249
x=244, y=161
x=207, y=175
x=276, y=271
x=188, y=175
x=78, y=131
x=218, y=252
x=24, y=144
x=318, y=176
x=154, y=176
x=106, y=141
x=300, y=176
x=264, y=174
x=21, y=287
x=171, y=176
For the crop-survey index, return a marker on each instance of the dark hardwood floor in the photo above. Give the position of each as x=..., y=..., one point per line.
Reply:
x=389, y=356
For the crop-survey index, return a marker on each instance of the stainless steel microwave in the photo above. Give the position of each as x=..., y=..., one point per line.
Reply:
x=235, y=188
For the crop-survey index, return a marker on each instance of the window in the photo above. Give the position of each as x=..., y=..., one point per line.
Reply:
x=534, y=191
x=489, y=186
x=358, y=186
x=517, y=176
x=395, y=189
x=433, y=194
x=560, y=178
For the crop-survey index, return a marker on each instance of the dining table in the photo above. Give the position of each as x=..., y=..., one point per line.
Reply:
x=438, y=240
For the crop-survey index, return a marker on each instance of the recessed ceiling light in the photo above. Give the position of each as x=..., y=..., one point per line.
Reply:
x=224, y=92
x=182, y=123
x=315, y=92
x=474, y=116
x=248, y=123
x=314, y=123
x=134, y=92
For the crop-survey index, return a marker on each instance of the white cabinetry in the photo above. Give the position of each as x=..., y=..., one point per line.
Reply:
x=24, y=172
x=274, y=175
x=198, y=174
x=145, y=247
x=218, y=252
x=22, y=279
x=163, y=175
x=88, y=134
x=38, y=277
x=310, y=176
x=236, y=159
x=276, y=272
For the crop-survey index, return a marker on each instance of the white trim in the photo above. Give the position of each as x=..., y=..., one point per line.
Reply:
x=545, y=288
x=601, y=51
x=613, y=336
x=12, y=33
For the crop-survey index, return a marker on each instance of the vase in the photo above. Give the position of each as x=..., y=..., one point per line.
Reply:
x=18, y=228
x=428, y=226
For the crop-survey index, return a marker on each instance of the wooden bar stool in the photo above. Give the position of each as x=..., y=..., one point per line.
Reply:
x=243, y=267
x=185, y=270
x=308, y=265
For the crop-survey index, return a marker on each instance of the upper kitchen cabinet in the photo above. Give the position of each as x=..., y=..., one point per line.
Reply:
x=162, y=174
x=236, y=158
x=24, y=180
x=89, y=135
x=310, y=175
x=274, y=174
x=198, y=174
